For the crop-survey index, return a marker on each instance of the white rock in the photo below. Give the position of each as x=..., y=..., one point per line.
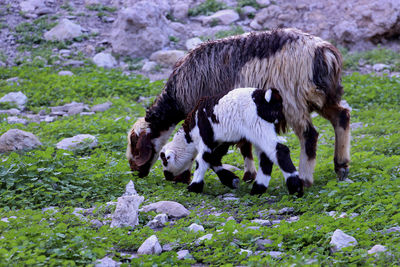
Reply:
x=263, y=2
x=17, y=98
x=247, y=251
x=31, y=5
x=262, y=222
x=86, y=113
x=194, y=227
x=101, y=107
x=262, y=242
x=341, y=240
x=286, y=210
x=107, y=262
x=65, y=73
x=193, y=43
x=162, y=218
x=380, y=67
x=150, y=246
x=12, y=111
x=376, y=249
x=49, y=119
x=77, y=142
x=171, y=208
x=275, y=254
x=183, y=254
x=393, y=229
x=15, y=139
x=72, y=108
x=15, y=119
x=65, y=30
x=247, y=10
x=149, y=66
x=130, y=189
x=180, y=10
x=225, y=17
x=167, y=57
x=127, y=211
x=205, y=237
x=105, y=60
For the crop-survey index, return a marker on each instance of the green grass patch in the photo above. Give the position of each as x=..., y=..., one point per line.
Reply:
x=380, y=55
x=207, y=8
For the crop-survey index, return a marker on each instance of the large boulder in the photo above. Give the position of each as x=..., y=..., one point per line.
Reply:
x=140, y=30
x=16, y=139
x=64, y=30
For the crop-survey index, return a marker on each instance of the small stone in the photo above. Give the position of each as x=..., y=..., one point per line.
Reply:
x=101, y=107
x=286, y=210
x=254, y=227
x=149, y=66
x=64, y=30
x=107, y=262
x=231, y=199
x=247, y=251
x=275, y=254
x=341, y=240
x=263, y=3
x=262, y=222
x=127, y=211
x=205, y=237
x=168, y=247
x=262, y=242
x=393, y=229
x=87, y=113
x=224, y=17
x=50, y=209
x=15, y=139
x=96, y=223
x=65, y=73
x=293, y=219
x=105, y=60
x=150, y=246
x=194, y=227
x=171, y=208
x=15, y=120
x=183, y=254
x=248, y=10
x=12, y=111
x=380, y=67
x=167, y=57
x=344, y=104
x=376, y=249
x=162, y=218
x=77, y=142
x=276, y=221
x=49, y=119
x=17, y=98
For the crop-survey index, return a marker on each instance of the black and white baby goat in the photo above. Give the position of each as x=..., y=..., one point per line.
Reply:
x=249, y=114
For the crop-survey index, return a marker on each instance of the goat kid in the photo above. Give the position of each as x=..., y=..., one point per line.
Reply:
x=250, y=114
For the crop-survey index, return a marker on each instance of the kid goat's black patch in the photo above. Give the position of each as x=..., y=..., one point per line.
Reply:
x=284, y=160
x=266, y=164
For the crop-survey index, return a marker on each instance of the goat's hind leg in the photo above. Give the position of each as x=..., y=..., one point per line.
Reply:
x=340, y=119
x=250, y=171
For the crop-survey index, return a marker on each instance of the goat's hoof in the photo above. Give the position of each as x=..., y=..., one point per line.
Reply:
x=248, y=177
x=295, y=185
x=307, y=183
x=235, y=183
x=258, y=189
x=343, y=173
x=196, y=187
x=184, y=177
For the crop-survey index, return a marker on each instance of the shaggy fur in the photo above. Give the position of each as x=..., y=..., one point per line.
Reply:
x=218, y=122
x=305, y=69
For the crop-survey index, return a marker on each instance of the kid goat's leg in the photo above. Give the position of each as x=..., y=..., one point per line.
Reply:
x=197, y=183
x=263, y=175
x=340, y=120
x=250, y=171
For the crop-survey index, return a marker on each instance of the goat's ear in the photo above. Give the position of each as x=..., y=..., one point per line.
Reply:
x=275, y=96
x=133, y=138
x=268, y=94
x=143, y=150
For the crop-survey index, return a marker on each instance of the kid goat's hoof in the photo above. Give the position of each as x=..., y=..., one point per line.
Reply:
x=295, y=185
x=249, y=176
x=196, y=187
x=258, y=189
x=343, y=173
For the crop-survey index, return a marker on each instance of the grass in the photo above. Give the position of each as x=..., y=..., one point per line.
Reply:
x=380, y=55
x=30, y=181
x=207, y=8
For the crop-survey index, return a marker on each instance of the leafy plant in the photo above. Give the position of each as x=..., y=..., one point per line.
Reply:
x=235, y=30
x=207, y=8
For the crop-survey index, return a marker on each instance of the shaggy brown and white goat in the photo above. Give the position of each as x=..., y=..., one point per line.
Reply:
x=250, y=114
x=305, y=69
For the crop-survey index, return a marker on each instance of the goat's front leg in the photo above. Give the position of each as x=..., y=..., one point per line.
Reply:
x=263, y=177
x=250, y=171
x=197, y=183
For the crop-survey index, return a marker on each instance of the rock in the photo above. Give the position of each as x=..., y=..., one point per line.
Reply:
x=49, y=119
x=183, y=254
x=65, y=30
x=262, y=222
x=159, y=221
x=86, y=113
x=231, y=198
x=276, y=222
x=140, y=30
x=127, y=211
x=380, y=67
x=44, y=11
x=168, y=247
x=356, y=125
x=77, y=142
x=376, y=249
x=180, y=10
x=101, y=107
x=162, y=218
x=65, y=73
x=15, y=139
x=194, y=227
x=247, y=251
x=107, y=262
x=344, y=104
x=263, y=2
x=286, y=210
x=262, y=242
x=31, y=5
x=105, y=60
x=150, y=246
x=96, y=223
x=225, y=17
x=293, y=219
x=17, y=98
x=392, y=230
x=248, y=10
x=341, y=240
x=72, y=108
x=193, y=43
x=130, y=189
x=205, y=237
x=254, y=227
x=171, y=208
x=167, y=57
x=275, y=254
x=15, y=119
x=149, y=66
x=73, y=63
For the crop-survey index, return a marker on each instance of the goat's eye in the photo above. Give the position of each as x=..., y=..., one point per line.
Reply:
x=168, y=157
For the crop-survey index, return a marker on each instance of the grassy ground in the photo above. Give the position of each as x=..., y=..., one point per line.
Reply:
x=30, y=181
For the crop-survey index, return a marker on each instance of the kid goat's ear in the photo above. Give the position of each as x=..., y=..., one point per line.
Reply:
x=268, y=95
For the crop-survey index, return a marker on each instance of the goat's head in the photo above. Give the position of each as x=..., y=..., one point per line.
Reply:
x=140, y=150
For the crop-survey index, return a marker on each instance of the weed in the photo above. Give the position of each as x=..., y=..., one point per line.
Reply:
x=253, y=3
x=207, y=8
x=101, y=8
x=173, y=39
x=380, y=55
x=235, y=30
